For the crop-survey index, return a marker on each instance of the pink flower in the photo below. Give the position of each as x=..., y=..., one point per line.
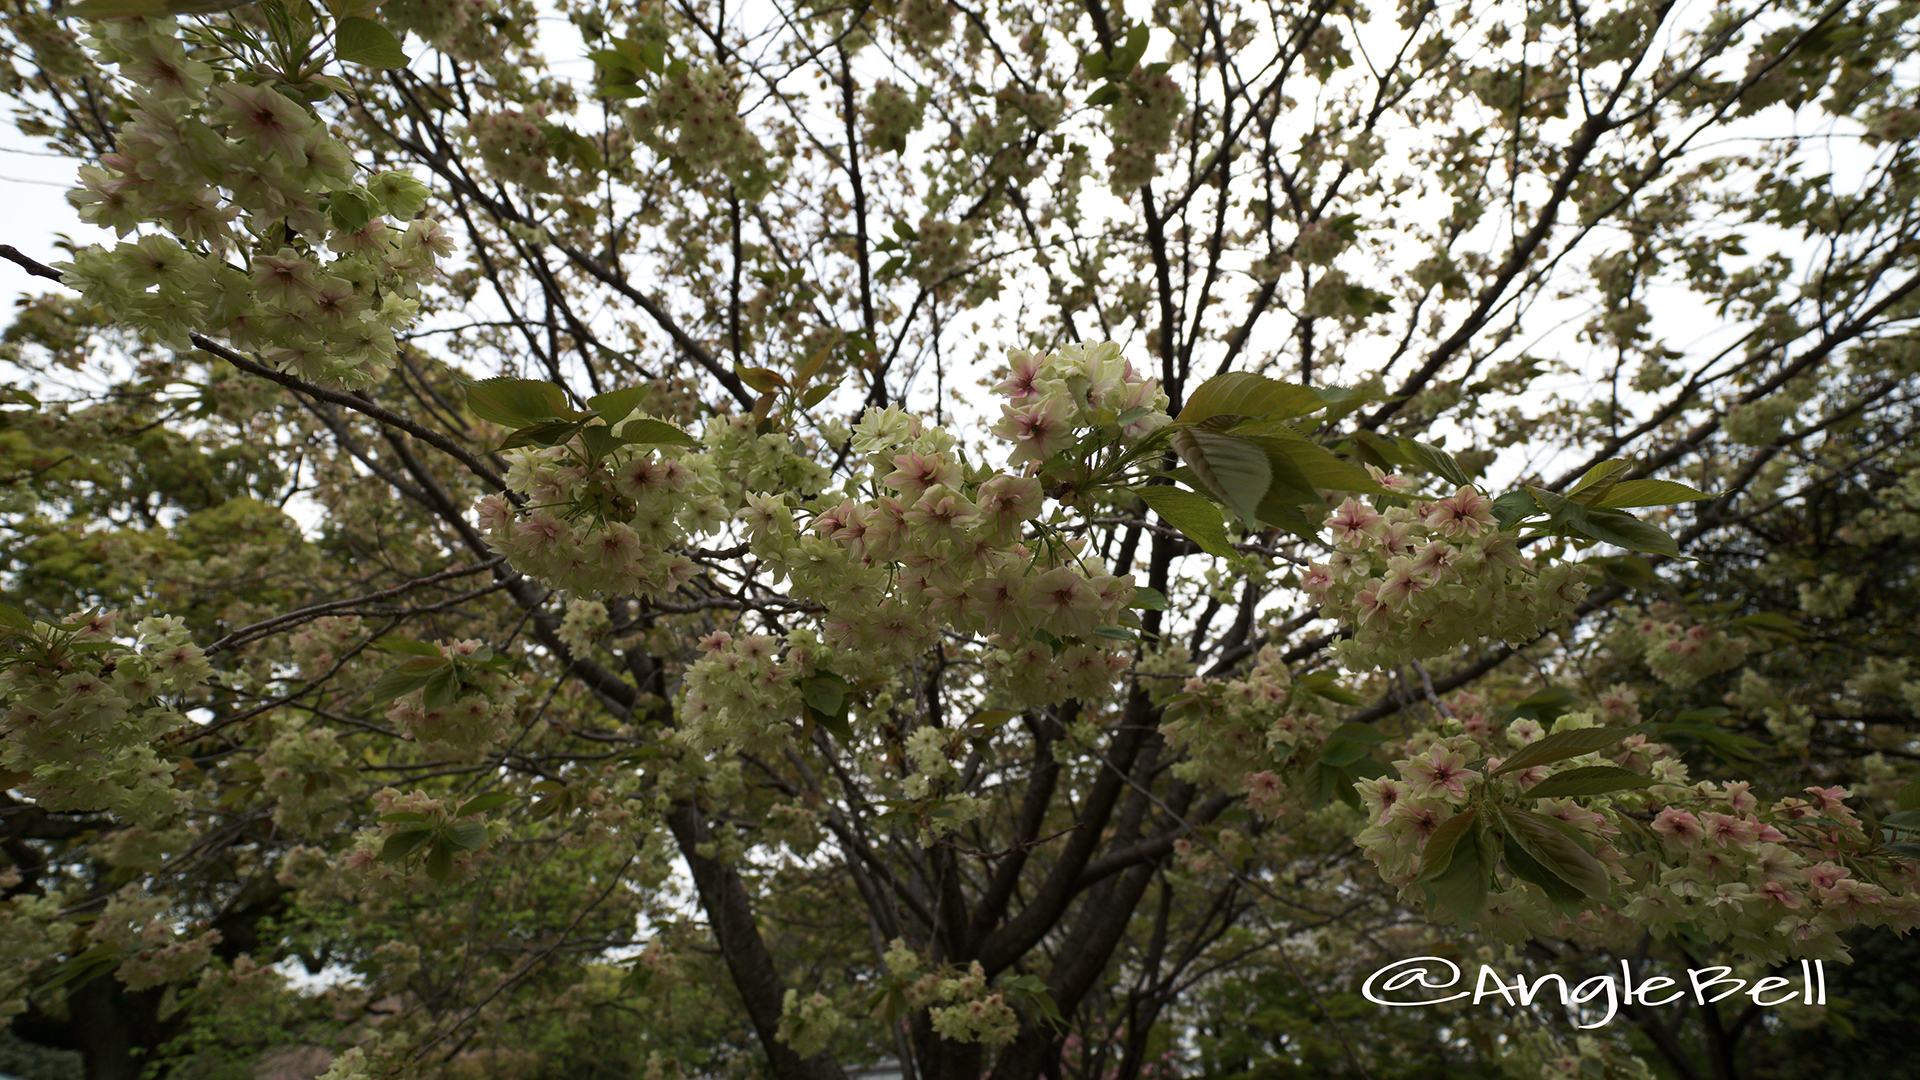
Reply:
x=266, y=119
x=1465, y=513
x=914, y=473
x=1726, y=830
x=1678, y=826
x=1439, y=772
x=1025, y=366
x=1352, y=522
x=1828, y=798
x=1038, y=429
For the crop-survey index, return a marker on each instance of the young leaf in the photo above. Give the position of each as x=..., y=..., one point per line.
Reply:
x=518, y=403
x=1556, y=852
x=1439, y=852
x=467, y=836
x=1598, y=481
x=1235, y=470
x=1525, y=867
x=1649, y=493
x=480, y=804
x=1562, y=745
x=1197, y=519
x=401, y=845
x=1588, y=780
x=365, y=42
x=398, y=644
x=649, y=432
x=1461, y=889
x=1240, y=393
x=615, y=405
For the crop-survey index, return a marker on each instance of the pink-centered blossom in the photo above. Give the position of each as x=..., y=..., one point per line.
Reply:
x=1678, y=826
x=1439, y=773
x=1352, y=521
x=1465, y=513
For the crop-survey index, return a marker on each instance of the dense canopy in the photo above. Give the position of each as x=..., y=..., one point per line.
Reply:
x=999, y=539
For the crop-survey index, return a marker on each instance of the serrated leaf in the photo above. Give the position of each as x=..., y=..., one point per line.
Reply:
x=1649, y=493
x=1116, y=633
x=1556, y=852
x=825, y=692
x=1439, y=852
x=1190, y=512
x=1911, y=851
x=1525, y=867
x=1147, y=599
x=1904, y=820
x=615, y=405
x=1235, y=470
x=552, y=433
x=519, y=403
x=1562, y=745
x=409, y=676
x=650, y=432
x=365, y=42
x=402, y=817
x=1543, y=706
x=816, y=395
x=467, y=836
x=440, y=861
x=1588, y=780
x=15, y=619
x=1598, y=481
x=401, y=845
x=480, y=804
x=1360, y=733
x=1241, y=393
x=1909, y=797
x=1512, y=507
x=1313, y=463
x=764, y=380
x=1461, y=890
x=441, y=689
x=397, y=644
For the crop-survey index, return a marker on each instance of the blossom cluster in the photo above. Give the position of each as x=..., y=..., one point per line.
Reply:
x=892, y=114
x=256, y=186
x=609, y=524
x=1682, y=656
x=514, y=146
x=477, y=718
x=1053, y=397
x=152, y=952
x=962, y=1007
x=693, y=114
x=303, y=770
x=1239, y=733
x=1141, y=124
x=807, y=1022
x=1772, y=880
x=741, y=691
x=85, y=712
x=1418, y=580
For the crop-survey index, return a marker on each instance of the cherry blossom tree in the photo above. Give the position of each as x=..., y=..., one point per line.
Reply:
x=940, y=532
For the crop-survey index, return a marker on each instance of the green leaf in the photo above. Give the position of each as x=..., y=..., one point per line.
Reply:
x=1438, y=855
x=816, y=395
x=1104, y=95
x=615, y=405
x=1588, y=780
x=1772, y=622
x=1562, y=745
x=1598, y=481
x=1557, y=852
x=1342, y=752
x=825, y=692
x=650, y=432
x=518, y=403
x=1649, y=493
x=548, y=434
x=1197, y=519
x=1462, y=889
x=1512, y=507
x=480, y=804
x=1544, y=706
x=764, y=380
x=15, y=619
x=468, y=836
x=1147, y=599
x=1400, y=450
x=401, y=845
x=1235, y=470
x=1360, y=733
x=398, y=644
x=409, y=676
x=365, y=42
x=441, y=688
x=403, y=817
x=1911, y=851
x=1622, y=529
x=1904, y=820
x=440, y=861
x=1241, y=393
x=1909, y=797
x=598, y=441
x=1525, y=867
